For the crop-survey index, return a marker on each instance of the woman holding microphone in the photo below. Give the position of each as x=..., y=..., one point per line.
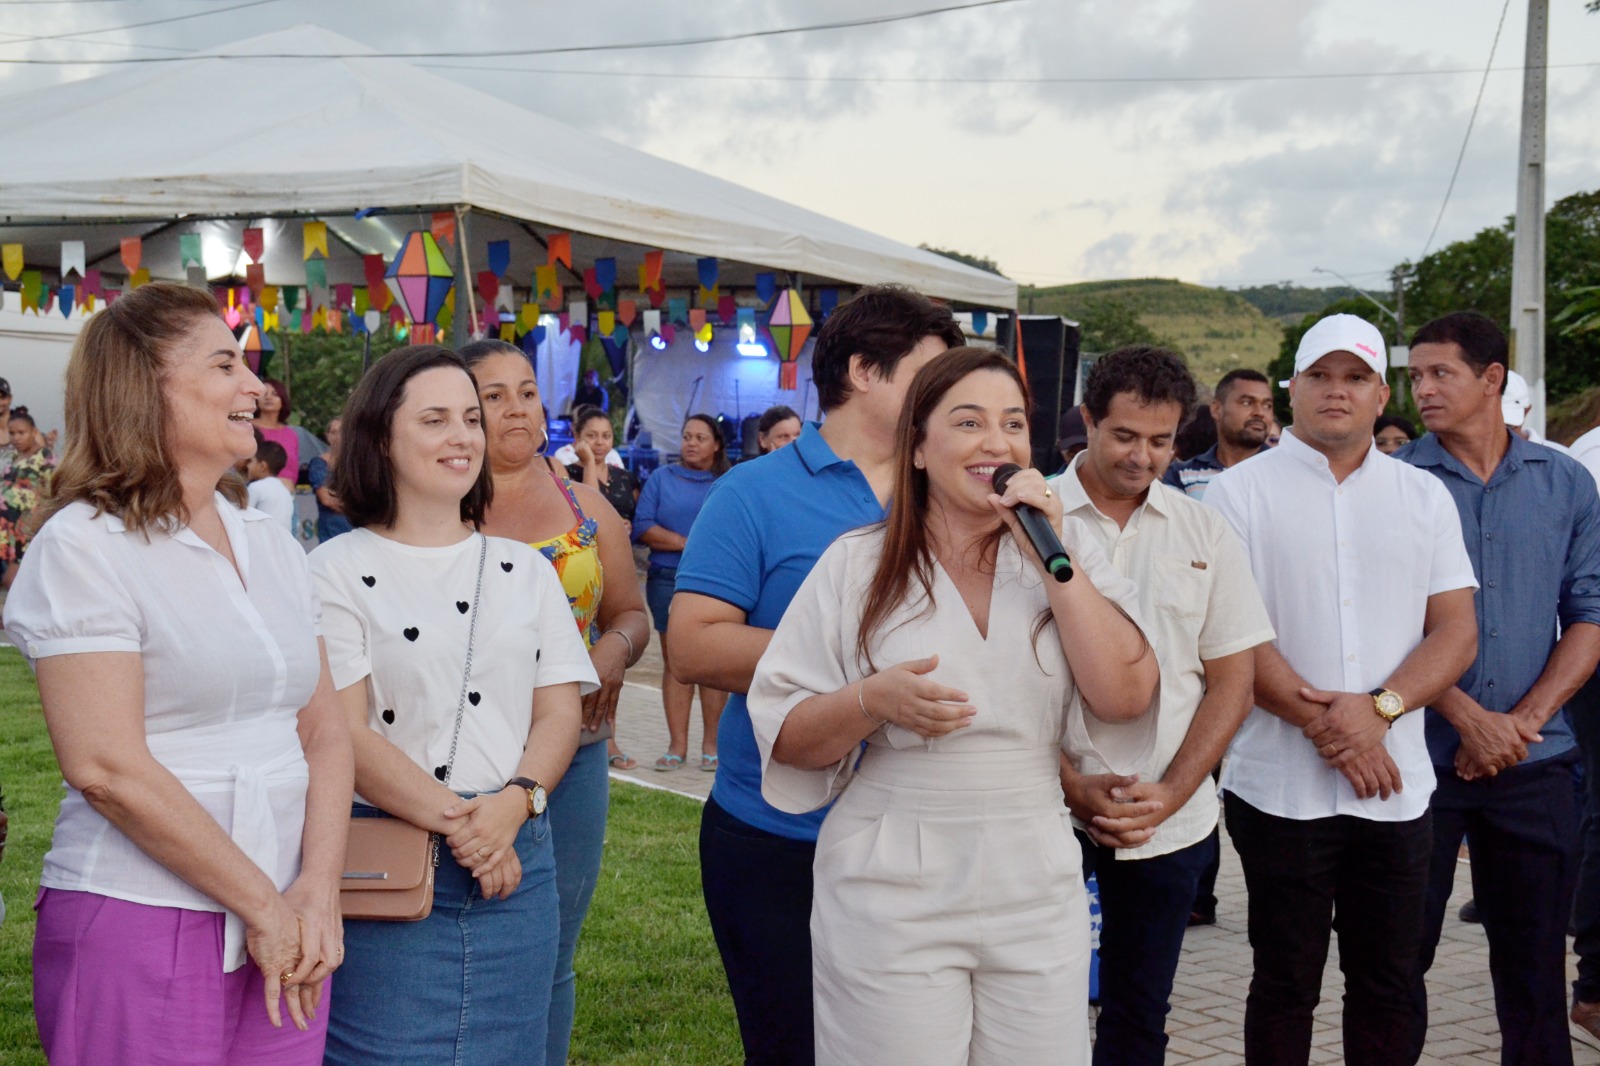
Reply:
x=950, y=923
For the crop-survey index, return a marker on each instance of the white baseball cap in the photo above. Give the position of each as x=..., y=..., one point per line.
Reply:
x=1516, y=400
x=1343, y=333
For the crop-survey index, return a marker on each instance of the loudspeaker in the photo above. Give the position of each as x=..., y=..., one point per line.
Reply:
x=1050, y=361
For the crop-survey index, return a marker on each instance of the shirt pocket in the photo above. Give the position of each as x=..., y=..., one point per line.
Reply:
x=1182, y=591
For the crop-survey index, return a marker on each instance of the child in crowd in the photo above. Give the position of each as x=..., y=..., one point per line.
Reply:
x=267, y=490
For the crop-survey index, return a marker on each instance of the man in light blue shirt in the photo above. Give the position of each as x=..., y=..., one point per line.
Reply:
x=1501, y=746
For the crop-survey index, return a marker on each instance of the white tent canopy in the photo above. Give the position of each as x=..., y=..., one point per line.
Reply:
x=158, y=149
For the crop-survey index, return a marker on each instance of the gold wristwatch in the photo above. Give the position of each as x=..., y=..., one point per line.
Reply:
x=537, y=799
x=1388, y=704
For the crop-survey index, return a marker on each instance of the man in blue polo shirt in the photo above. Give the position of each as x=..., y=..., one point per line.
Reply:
x=762, y=529
x=1242, y=410
x=1501, y=747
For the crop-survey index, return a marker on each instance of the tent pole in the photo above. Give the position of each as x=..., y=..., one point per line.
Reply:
x=463, y=280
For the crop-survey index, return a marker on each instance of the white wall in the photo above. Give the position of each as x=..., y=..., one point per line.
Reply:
x=33, y=358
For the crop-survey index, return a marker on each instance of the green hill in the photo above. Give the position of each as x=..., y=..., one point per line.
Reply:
x=1215, y=329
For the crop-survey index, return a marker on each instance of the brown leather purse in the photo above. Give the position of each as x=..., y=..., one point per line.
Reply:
x=389, y=863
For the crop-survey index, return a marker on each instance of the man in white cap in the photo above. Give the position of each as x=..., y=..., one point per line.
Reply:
x=1367, y=582
x=1501, y=747
x=1515, y=403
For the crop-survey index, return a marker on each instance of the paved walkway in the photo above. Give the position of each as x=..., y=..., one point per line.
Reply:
x=1207, y=1021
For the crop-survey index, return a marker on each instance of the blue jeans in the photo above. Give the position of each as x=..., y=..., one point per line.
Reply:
x=467, y=986
x=658, y=589
x=1144, y=911
x=577, y=815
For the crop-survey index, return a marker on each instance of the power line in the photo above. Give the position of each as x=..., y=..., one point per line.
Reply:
x=914, y=80
x=137, y=25
x=1471, y=119
x=870, y=20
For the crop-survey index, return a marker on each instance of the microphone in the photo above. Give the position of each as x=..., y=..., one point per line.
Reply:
x=1041, y=535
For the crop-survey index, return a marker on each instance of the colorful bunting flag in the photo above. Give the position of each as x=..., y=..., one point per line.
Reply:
x=269, y=298
x=373, y=267
x=697, y=319
x=314, y=238
x=605, y=272
x=71, y=258
x=709, y=297
x=443, y=227
x=66, y=298
x=499, y=258
x=766, y=286
x=11, y=260
x=188, y=249
x=559, y=246
x=316, y=273
x=627, y=310
x=255, y=276
x=678, y=310
x=530, y=316
x=139, y=277
x=342, y=295
x=132, y=253
x=359, y=302
x=827, y=300
x=32, y=290
x=707, y=269
x=92, y=285
x=608, y=322
x=980, y=322
x=578, y=314
x=652, y=270
x=591, y=283
x=253, y=243
x=291, y=297
x=727, y=307
x=488, y=285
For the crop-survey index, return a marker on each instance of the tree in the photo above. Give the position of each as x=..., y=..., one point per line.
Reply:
x=1475, y=275
x=1109, y=324
x=323, y=369
x=982, y=262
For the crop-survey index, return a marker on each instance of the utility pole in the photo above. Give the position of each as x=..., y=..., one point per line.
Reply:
x=1527, y=256
x=1403, y=379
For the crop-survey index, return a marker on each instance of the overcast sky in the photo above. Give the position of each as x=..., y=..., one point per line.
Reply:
x=947, y=130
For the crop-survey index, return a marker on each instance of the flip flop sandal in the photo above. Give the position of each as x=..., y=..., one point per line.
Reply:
x=669, y=761
x=621, y=761
x=708, y=764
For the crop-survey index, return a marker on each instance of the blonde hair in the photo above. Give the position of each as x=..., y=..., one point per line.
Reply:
x=116, y=456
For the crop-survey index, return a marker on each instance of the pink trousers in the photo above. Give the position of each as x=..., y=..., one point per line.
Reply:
x=123, y=982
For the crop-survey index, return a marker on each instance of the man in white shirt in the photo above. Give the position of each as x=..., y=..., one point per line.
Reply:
x=1148, y=837
x=1368, y=584
x=267, y=491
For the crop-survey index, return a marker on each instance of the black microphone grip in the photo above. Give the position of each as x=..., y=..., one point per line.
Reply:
x=1041, y=534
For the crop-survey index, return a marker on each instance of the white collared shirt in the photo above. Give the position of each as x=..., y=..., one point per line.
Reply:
x=1198, y=601
x=1346, y=569
x=270, y=496
x=227, y=667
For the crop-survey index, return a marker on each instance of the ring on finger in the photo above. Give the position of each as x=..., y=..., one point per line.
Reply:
x=285, y=977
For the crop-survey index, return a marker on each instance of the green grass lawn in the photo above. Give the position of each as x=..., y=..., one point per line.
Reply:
x=650, y=986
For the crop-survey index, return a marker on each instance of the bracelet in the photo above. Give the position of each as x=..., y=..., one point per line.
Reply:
x=624, y=636
x=861, y=701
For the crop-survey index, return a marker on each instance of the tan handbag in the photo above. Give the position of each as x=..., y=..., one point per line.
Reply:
x=389, y=863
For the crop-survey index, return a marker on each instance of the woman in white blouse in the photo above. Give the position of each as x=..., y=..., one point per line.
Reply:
x=459, y=671
x=950, y=923
x=183, y=681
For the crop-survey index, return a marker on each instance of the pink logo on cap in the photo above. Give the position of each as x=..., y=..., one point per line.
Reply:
x=1366, y=349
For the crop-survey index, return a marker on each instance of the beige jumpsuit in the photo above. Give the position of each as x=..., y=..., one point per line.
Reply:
x=949, y=922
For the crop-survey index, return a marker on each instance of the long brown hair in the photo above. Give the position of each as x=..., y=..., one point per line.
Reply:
x=906, y=552
x=117, y=414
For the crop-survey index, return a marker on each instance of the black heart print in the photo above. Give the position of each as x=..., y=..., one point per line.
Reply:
x=473, y=698
x=462, y=605
x=506, y=567
x=412, y=633
x=368, y=581
x=388, y=717
x=440, y=772
x=536, y=654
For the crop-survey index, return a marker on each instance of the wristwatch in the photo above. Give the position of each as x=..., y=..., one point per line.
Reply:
x=1388, y=704
x=537, y=799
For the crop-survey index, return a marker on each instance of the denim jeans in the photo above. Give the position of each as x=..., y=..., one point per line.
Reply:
x=659, y=585
x=467, y=986
x=1144, y=912
x=578, y=829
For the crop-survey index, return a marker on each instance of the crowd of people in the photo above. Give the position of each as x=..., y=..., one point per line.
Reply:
x=1356, y=646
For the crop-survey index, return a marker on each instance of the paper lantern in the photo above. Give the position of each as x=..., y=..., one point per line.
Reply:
x=789, y=325
x=420, y=277
x=257, y=346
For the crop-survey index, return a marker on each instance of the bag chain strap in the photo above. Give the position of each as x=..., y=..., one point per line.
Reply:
x=466, y=676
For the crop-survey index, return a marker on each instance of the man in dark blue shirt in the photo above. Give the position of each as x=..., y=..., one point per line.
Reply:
x=1501, y=746
x=1242, y=410
x=761, y=531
